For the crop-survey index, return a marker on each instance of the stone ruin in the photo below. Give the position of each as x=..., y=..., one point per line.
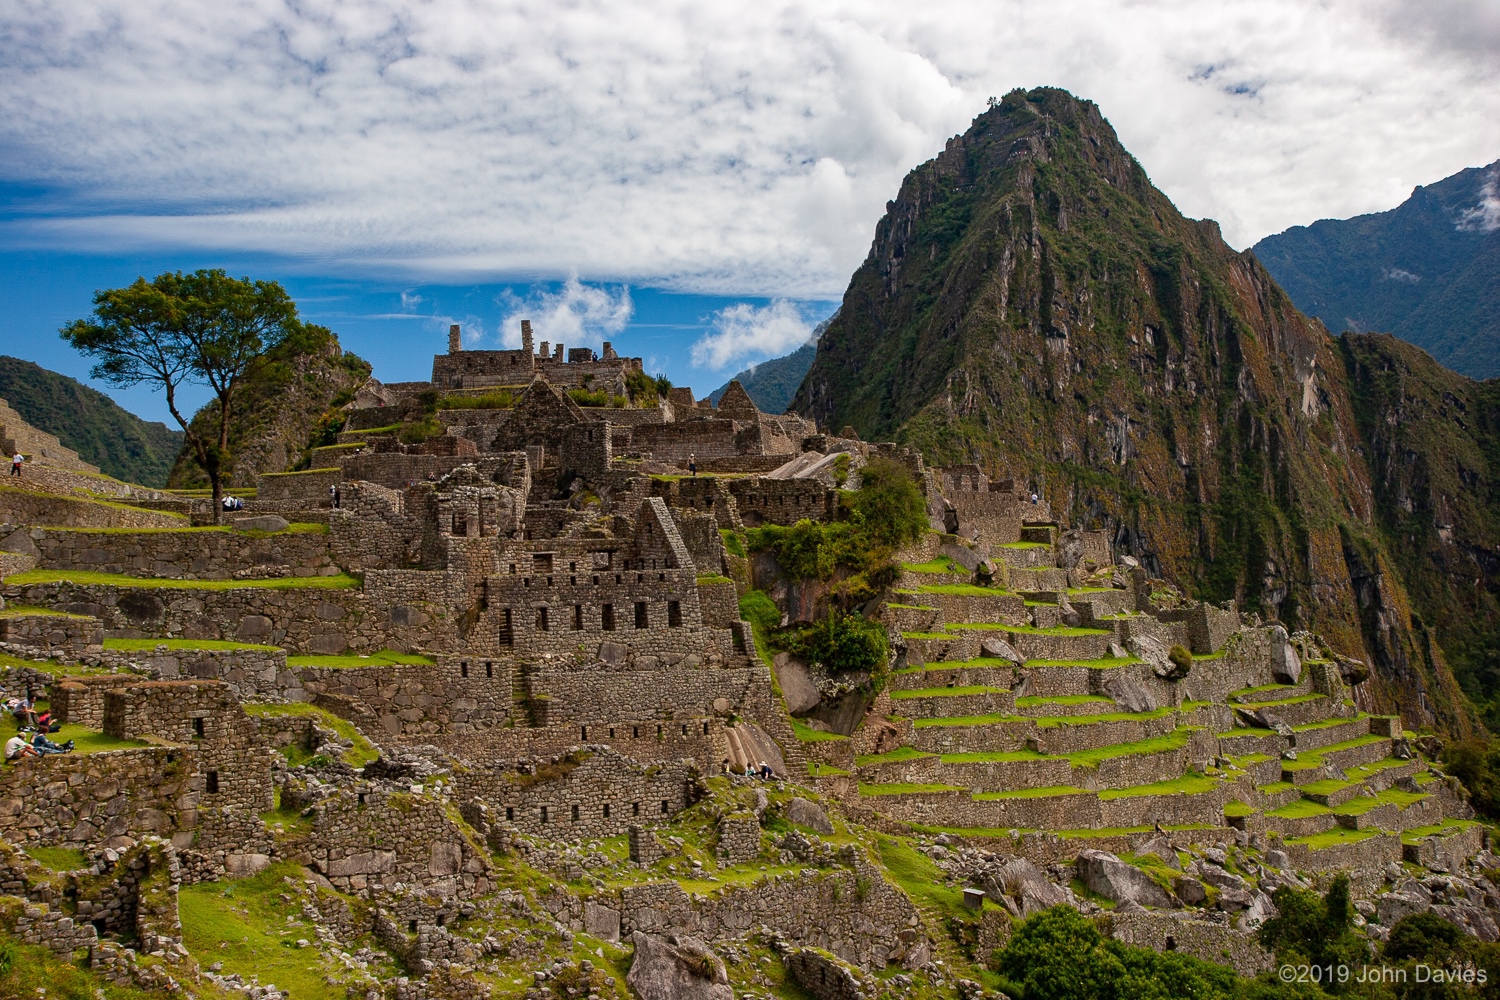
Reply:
x=521, y=638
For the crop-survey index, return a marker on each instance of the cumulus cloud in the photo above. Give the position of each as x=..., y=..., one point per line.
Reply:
x=1485, y=216
x=744, y=331
x=576, y=314
x=743, y=149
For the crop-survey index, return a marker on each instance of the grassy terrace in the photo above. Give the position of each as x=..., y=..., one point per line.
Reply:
x=1187, y=784
x=1362, y=804
x=905, y=788
x=91, y=740
x=342, y=581
x=27, y=611
x=893, y=757
x=808, y=734
x=1328, y=724
x=146, y=645
x=296, y=528
x=1029, y=793
x=1445, y=828
x=983, y=661
x=1024, y=629
x=384, y=658
x=1301, y=809
x=941, y=564
x=359, y=755
x=1043, y=721
x=1300, y=699
x=1332, y=838
x=945, y=692
x=963, y=589
x=1175, y=740
x=1033, y=700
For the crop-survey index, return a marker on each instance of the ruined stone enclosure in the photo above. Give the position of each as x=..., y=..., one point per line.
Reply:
x=484, y=664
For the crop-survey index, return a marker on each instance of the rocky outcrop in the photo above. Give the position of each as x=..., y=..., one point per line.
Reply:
x=1124, y=883
x=677, y=968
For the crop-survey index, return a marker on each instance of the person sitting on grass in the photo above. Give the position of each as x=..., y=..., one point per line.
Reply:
x=44, y=746
x=16, y=747
x=47, y=722
x=24, y=710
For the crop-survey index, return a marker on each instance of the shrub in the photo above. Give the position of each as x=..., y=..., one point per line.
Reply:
x=583, y=397
x=1477, y=765
x=499, y=400
x=1182, y=661
x=843, y=642
x=757, y=608
x=420, y=430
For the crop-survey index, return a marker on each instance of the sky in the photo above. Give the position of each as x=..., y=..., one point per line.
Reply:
x=694, y=182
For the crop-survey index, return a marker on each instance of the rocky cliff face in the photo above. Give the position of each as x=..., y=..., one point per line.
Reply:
x=1031, y=303
x=286, y=398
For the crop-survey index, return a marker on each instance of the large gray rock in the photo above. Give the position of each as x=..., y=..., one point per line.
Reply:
x=1114, y=879
x=601, y=922
x=1023, y=889
x=678, y=968
x=264, y=522
x=1286, y=665
x=1161, y=848
x=1001, y=650
x=1129, y=692
x=797, y=685
x=963, y=555
x=809, y=814
x=1070, y=549
x=19, y=541
x=1154, y=652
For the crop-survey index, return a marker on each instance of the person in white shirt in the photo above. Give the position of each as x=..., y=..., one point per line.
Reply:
x=16, y=747
x=15, y=464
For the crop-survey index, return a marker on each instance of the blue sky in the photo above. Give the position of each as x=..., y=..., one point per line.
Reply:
x=396, y=326
x=697, y=181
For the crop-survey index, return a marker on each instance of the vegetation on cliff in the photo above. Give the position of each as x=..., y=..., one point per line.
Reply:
x=1031, y=303
x=1427, y=271
x=120, y=443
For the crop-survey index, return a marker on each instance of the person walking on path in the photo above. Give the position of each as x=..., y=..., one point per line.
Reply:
x=15, y=464
x=693, y=466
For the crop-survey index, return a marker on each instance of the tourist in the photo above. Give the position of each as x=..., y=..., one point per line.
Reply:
x=765, y=771
x=16, y=747
x=24, y=710
x=728, y=766
x=693, y=466
x=15, y=464
x=42, y=745
x=47, y=722
x=333, y=493
x=749, y=770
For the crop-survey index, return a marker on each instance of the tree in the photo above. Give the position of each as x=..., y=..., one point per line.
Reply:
x=204, y=328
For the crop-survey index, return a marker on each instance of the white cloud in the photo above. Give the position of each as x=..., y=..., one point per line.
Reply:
x=744, y=331
x=1485, y=216
x=576, y=315
x=744, y=149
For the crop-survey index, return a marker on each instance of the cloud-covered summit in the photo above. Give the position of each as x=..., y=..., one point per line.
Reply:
x=745, y=149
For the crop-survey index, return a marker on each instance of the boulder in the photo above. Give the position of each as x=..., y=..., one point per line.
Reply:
x=797, y=685
x=1129, y=692
x=1070, y=549
x=963, y=555
x=601, y=921
x=245, y=865
x=1001, y=650
x=676, y=968
x=1286, y=665
x=809, y=814
x=1023, y=889
x=1190, y=891
x=1258, y=912
x=1114, y=879
x=1277, y=860
x=264, y=522
x=1162, y=849
x=1154, y=652
x=19, y=541
x=613, y=653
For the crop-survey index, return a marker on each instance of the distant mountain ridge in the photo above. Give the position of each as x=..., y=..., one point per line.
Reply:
x=1427, y=271
x=772, y=384
x=102, y=432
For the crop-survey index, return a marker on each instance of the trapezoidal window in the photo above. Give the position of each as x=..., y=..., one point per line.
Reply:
x=541, y=619
x=674, y=614
x=607, y=617
x=642, y=618
x=213, y=782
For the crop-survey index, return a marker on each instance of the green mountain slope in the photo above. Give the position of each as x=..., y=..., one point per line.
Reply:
x=1033, y=304
x=772, y=384
x=287, y=403
x=103, y=433
x=1427, y=271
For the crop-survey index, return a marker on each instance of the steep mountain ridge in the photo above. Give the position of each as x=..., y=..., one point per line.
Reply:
x=103, y=433
x=772, y=384
x=1427, y=271
x=1033, y=304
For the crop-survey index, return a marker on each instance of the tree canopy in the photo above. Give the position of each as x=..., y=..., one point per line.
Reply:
x=203, y=328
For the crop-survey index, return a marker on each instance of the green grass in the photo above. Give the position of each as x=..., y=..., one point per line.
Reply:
x=37, y=972
x=300, y=472
x=1063, y=630
x=808, y=734
x=910, y=607
x=817, y=769
x=1054, y=721
x=967, y=720
x=1237, y=808
x=342, y=581
x=27, y=611
x=135, y=645
x=1276, y=787
x=892, y=757
x=1174, y=740
x=384, y=658
x=1098, y=664
x=359, y=755
x=91, y=740
x=1033, y=700
x=1364, y=771
x=242, y=924
x=1332, y=838
x=945, y=692
x=59, y=859
x=940, y=564
x=904, y=788
x=1300, y=699
x=1247, y=692
x=1325, y=787
x=732, y=542
x=963, y=589
x=705, y=578
x=1029, y=793
x=926, y=635
x=1187, y=784
x=295, y=528
x=1023, y=545
x=1326, y=724
x=1301, y=809
x=919, y=878
x=1442, y=829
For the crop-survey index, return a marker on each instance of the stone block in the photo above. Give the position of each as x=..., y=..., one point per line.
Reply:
x=265, y=522
x=601, y=921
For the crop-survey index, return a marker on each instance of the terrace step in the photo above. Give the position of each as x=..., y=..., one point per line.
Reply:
x=988, y=673
x=1045, y=644
x=1078, y=704
x=1027, y=555
x=1300, y=711
x=1055, y=735
x=942, y=702
x=1038, y=578
x=1273, y=692
x=1310, y=737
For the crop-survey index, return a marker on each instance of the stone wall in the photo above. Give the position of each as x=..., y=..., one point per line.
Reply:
x=61, y=633
x=192, y=554
x=459, y=694
x=720, y=603
x=682, y=693
x=1208, y=942
x=19, y=505
x=645, y=740
x=85, y=800
x=313, y=485
x=850, y=911
x=80, y=700
x=589, y=793
x=784, y=501
x=329, y=621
